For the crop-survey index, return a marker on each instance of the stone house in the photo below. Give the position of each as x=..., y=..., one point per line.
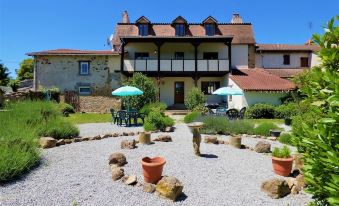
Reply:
x=177, y=55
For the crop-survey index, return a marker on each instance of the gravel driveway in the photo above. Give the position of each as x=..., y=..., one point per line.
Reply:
x=79, y=173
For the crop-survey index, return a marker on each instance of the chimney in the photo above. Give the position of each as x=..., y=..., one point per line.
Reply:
x=125, y=17
x=236, y=19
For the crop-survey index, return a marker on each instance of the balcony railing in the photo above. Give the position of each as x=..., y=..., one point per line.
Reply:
x=176, y=65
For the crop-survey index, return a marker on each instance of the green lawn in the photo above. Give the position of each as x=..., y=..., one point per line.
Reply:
x=81, y=118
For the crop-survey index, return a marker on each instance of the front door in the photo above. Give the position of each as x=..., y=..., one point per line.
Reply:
x=179, y=92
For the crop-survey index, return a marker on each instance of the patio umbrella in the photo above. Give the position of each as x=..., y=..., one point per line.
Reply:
x=228, y=91
x=127, y=91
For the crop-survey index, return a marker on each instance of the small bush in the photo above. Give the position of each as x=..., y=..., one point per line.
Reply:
x=191, y=117
x=156, y=120
x=201, y=109
x=264, y=128
x=194, y=98
x=284, y=152
x=261, y=111
x=285, y=139
x=146, y=109
x=64, y=107
x=169, y=122
x=221, y=125
x=286, y=110
x=58, y=129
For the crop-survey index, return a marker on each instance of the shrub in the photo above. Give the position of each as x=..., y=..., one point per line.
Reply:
x=264, y=128
x=260, y=111
x=194, y=98
x=286, y=110
x=64, y=107
x=284, y=152
x=156, y=120
x=58, y=129
x=319, y=140
x=191, y=117
x=146, y=85
x=146, y=109
x=221, y=125
x=285, y=139
x=201, y=109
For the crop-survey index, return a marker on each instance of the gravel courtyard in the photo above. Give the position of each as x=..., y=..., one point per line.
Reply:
x=79, y=173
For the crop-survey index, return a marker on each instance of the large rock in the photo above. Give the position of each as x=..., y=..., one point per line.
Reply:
x=128, y=144
x=149, y=187
x=47, y=142
x=300, y=181
x=276, y=188
x=263, y=147
x=169, y=187
x=163, y=138
x=69, y=141
x=60, y=142
x=117, y=173
x=118, y=159
x=130, y=180
x=211, y=140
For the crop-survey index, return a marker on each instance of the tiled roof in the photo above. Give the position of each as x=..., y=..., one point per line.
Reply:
x=285, y=73
x=287, y=47
x=73, y=52
x=260, y=80
x=242, y=33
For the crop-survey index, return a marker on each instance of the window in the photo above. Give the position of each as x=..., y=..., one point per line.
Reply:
x=84, y=90
x=179, y=55
x=84, y=68
x=180, y=30
x=209, y=87
x=286, y=59
x=304, y=62
x=210, y=55
x=143, y=29
x=209, y=29
x=141, y=55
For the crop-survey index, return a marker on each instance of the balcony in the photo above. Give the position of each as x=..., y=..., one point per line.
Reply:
x=176, y=65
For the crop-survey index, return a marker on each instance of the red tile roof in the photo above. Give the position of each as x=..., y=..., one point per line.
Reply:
x=285, y=73
x=260, y=80
x=242, y=33
x=287, y=47
x=73, y=52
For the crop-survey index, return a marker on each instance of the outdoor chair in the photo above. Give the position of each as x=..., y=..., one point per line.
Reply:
x=123, y=117
x=221, y=111
x=232, y=114
x=241, y=114
x=115, y=116
x=133, y=115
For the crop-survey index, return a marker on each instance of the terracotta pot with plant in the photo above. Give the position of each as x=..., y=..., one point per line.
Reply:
x=282, y=161
x=152, y=168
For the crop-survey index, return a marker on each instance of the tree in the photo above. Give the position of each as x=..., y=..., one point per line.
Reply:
x=4, y=75
x=26, y=70
x=319, y=139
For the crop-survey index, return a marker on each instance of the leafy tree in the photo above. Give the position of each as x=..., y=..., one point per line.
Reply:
x=320, y=137
x=26, y=70
x=4, y=75
x=146, y=85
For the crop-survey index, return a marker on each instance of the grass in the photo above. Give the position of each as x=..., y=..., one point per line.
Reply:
x=264, y=128
x=285, y=139
x=81, y=118
x=20, y=128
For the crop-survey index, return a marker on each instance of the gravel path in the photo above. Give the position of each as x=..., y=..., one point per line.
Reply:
x=79, y=173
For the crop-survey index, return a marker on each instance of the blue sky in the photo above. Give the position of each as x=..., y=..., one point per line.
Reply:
x=36, y=25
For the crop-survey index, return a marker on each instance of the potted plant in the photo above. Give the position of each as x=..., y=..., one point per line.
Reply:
x=152, y=168
x=282, y=161
x=275, y=133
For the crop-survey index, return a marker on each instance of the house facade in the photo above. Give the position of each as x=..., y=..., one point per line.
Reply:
x=177, y=55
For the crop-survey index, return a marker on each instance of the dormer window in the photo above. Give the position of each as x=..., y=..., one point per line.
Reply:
x=180, y=30
x=210, y=29
x=143, y=29
x=143, y=24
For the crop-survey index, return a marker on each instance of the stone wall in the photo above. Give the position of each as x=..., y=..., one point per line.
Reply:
x=98, y=104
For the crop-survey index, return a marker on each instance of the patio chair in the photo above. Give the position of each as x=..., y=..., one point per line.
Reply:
x=115, y=116
x=123, y=117
x=133, y=115
x=241, y=114
x=232, y=114
x=221, y=111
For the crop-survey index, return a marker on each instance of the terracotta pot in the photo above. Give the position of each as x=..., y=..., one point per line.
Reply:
x=152, y=168
x=282, y=166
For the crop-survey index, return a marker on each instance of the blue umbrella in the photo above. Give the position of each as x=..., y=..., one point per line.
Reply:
x=127, y=91
x=228, y=91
